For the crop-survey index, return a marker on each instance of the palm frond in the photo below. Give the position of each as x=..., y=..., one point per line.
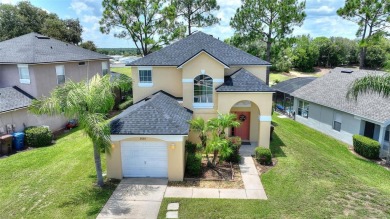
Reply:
x=370, y=84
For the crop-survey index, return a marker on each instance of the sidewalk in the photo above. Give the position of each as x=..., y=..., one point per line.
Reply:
x=252, y=184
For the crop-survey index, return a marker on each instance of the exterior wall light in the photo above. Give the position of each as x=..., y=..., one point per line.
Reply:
x=172, y=146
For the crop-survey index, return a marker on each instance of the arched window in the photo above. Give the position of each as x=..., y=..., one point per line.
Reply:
x=203, y=89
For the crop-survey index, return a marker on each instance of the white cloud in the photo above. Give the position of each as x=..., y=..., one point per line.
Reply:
x=11, y=2
x=80, y=7
x=90, y=19
x=322, y=9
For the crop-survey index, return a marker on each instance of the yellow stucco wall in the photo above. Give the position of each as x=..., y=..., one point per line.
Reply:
x=176, y=163
x=254, y=120
x=226, y=101
x=164, y=78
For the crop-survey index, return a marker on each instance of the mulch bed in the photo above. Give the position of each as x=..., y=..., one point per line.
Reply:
x=264, y=168
x=210, y=178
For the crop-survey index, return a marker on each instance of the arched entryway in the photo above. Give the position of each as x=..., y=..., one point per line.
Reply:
x=248, y=115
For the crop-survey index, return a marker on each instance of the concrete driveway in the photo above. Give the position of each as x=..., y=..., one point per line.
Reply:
x=135, y=198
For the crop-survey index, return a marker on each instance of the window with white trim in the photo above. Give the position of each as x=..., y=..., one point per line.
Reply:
x=203, y=91
x=145, y=77
x=24, y=74
x=337, y=121
x=60, y=72
x=104, y=68
x=303, y=109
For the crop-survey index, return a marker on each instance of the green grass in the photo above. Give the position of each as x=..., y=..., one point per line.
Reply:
x=277, y=76
x=53, y=182
x=122, y=70
x=316, y=177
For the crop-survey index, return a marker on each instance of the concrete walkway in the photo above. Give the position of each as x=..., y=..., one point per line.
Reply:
x=253, y=187
x=135, y=198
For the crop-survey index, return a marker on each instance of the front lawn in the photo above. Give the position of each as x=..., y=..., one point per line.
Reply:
x=52, y=182
x=316, y=177
x=122, y=70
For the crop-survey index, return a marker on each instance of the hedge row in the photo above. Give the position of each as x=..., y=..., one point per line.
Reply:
x=38, y=136
x=263, y=155
x=366, y=147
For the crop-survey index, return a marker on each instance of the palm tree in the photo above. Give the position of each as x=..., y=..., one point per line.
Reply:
x=89, y=103
x=219, y=125
x=371, y=84
x=224, y=121
x=200, y=126
x=218, y=145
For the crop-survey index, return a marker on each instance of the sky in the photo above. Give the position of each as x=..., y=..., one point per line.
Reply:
x=321, y=19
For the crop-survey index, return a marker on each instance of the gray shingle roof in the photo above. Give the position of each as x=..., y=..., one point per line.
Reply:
x=12, y=98
x=159, y=114
x=243, y=81
x=36, y=48
x=292, y=84
x=183, y=50
x=331, y=90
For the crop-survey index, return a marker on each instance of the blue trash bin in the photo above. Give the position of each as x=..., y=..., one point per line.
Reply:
x=18, y=141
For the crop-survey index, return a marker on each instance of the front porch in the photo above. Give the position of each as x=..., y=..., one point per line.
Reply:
x=379, y=133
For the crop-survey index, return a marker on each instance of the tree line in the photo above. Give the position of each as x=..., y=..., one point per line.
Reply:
x=23, y=18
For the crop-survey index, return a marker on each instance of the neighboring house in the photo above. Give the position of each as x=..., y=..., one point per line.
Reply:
x=35, y=64
x=282, y=97
x=322, y=105
x=197, y=76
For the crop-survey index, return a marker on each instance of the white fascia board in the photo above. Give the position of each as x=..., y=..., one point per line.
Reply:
x=181, y=66
x=161, y=137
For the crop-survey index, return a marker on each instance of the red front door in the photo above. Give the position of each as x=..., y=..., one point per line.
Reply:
x=243, y=130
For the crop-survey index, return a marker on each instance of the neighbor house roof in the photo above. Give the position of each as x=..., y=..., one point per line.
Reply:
x=243, y=81
x=13, y=98
x=293, y=84
x=183, y=50
x=158, y=114
x=331, y=91
x=35, y=48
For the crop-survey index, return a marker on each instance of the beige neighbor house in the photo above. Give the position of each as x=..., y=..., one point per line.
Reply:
x=31, y=66
x=198, y=76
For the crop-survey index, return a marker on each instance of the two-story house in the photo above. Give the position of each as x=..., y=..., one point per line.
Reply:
x=31, y=66
x=198, y=76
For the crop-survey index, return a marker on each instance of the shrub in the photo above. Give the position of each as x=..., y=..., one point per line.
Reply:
x=191, y=148
x=194, y=164
x=263, y=155
x=366, y=147
x=38, y=136
x=125, y=104
x=235, y=144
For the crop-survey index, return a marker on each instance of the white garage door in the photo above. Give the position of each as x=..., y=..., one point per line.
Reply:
x=144, y=159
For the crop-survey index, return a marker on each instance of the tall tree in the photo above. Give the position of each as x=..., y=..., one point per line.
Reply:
x=149, y=23
x=372, y=16
x=89, y=103
x=197, y=13
x=268, y=20
x=88, y=45
x=305, y=53
x=23, y=18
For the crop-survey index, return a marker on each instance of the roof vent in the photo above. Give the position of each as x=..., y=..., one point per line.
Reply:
x=346, y=71
x=42, y=37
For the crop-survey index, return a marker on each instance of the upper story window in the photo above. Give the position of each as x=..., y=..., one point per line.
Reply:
x=24, y=74
x=303, y=109
x=60, y=72
x=104, y=68
x=145, y=77
x=337, y=121
x=203, y=92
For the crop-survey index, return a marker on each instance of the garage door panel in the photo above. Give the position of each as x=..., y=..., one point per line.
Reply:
x=144, y=159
